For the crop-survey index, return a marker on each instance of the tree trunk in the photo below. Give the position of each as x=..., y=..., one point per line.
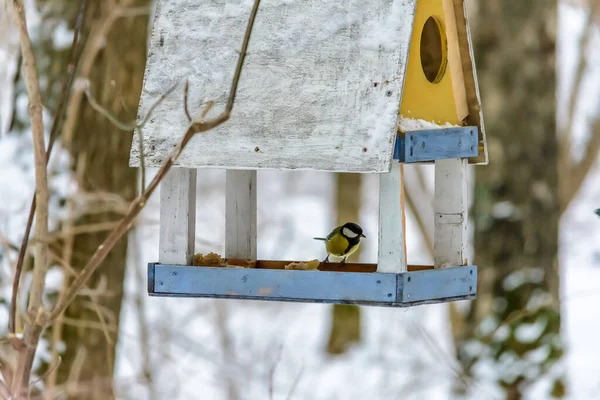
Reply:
x=516, y=210
x=100, y=153
x=345, y=319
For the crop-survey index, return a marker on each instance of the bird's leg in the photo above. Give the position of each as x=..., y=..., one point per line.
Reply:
x=326, y=260
x=343, y=261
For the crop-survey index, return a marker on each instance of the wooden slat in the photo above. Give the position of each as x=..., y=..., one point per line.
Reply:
x=391, y=256
x=451, y=217
x=177, y=217
x=454, y=62
x=467, y=58
x=240, y=214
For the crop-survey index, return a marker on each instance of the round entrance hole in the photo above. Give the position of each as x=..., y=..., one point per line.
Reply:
x=434, y=54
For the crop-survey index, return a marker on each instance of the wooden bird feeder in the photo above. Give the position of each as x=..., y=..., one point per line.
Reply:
x=338, y=86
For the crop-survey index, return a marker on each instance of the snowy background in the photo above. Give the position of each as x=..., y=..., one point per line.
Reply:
x=199, y=348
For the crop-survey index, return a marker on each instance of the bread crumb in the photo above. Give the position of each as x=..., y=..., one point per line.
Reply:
x=209, y=260
x=304, y=265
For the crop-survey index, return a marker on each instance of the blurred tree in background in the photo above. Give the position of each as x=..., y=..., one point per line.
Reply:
x=514, y=325
x=345, y=318
x=113, y=60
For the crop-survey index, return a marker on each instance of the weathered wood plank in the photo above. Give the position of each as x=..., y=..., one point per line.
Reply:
x=470, y=78
x=320, y=89
x=454, y=60
x=451, y=216
x=391, y=256
x=177, y=217
x=240, y=214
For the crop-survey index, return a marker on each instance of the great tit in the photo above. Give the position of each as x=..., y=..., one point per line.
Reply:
x=343, y=241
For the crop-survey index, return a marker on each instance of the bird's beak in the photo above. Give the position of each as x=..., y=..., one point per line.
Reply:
x=363, y=235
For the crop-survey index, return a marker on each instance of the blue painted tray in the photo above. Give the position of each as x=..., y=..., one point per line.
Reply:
x=374, y=289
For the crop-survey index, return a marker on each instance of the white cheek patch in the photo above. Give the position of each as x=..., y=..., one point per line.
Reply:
x=348, y=233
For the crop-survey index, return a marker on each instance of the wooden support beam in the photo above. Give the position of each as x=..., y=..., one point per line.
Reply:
x=451, y=213
x=177, y=229
x=240, y=214
x=391, y=256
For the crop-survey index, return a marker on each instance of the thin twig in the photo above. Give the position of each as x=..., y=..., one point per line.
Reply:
x=271, y=377
x=130, y=126
x=138, y=204
x=114, y=120
x=32, y=83
x=56, y=125
x=568, y=186
x=242, y=57
x=580, y=171
x=51, y=369
x=295, y=383
x=144, y=334
x=228, y=352
x=584, y=42
x=93, y=45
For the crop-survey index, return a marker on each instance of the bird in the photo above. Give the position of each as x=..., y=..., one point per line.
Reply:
x=342, y=241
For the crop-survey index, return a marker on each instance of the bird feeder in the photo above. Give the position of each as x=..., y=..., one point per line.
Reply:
x=338, y=86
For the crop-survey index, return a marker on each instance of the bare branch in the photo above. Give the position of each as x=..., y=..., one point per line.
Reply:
x=94, y=44
x=271, y=376
x=242, y=57
x=580, y=171
x=114, y=120
x=295, y=383
x=139, y=299
x=32, y=83
x=38, y=320
x=138, y=204
x=56, y=125
x=567, y=187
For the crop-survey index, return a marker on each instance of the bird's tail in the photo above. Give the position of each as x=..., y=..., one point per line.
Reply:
x=319, y=238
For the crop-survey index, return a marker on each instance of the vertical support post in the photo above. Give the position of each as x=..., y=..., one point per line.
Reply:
x=240, y=214
x=451, y=213
x=391, y=255
x=177, y=217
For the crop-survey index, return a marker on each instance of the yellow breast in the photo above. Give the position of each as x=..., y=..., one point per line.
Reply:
x=337, y=246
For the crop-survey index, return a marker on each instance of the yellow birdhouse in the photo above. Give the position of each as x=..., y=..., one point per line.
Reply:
x=440, y=85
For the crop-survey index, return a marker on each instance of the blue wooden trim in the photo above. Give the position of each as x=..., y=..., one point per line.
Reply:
x=151, y=277
x=437, y=144
x=422, y=286
x=377, y=289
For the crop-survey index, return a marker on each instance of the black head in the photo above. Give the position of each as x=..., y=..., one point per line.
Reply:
x=352, y=230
